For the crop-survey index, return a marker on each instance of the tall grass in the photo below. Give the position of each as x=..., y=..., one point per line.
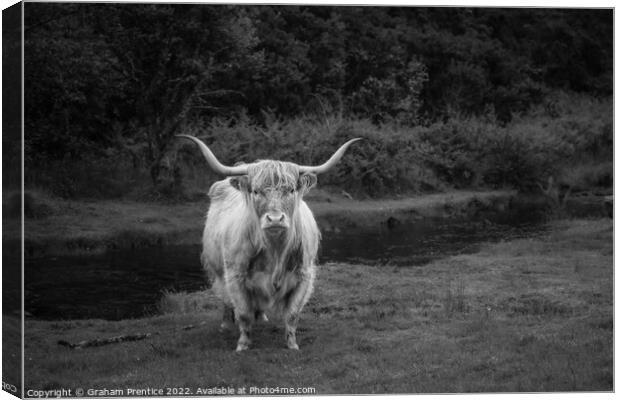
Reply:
x=172, y=302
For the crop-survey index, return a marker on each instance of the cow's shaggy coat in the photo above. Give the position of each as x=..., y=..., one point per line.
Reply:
x=252, y=270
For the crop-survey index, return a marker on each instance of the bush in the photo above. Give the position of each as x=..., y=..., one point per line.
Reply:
x=570, y=138
x=389, y=160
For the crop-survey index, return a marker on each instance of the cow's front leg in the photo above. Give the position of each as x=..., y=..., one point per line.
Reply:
x=296, y=302
x=290, y=329
x=245, y=326
x=242, y=310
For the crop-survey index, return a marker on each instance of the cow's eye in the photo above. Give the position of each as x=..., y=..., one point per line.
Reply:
x=255, y=192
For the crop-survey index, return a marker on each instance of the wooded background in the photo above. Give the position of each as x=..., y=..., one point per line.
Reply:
x=445, y=97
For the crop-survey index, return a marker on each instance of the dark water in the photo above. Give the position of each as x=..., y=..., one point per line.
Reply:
x=421, y=242
x=128, y=284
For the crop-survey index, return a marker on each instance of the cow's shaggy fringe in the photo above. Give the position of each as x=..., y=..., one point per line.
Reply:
x=273, y=174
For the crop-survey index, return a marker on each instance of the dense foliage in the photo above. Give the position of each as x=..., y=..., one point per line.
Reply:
x=117, y=81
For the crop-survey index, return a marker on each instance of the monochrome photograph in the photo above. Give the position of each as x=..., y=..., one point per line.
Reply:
x=306, y=200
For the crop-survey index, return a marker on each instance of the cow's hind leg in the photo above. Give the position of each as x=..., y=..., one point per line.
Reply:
x=228, y=318
x=295, y=304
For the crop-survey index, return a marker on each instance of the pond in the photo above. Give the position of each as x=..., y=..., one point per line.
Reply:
x=128, y=284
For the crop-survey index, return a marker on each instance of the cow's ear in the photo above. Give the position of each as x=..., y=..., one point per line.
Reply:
x=306, y=182
x=241, y=183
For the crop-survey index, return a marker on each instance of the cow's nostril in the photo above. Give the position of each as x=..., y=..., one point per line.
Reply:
x=275, y=218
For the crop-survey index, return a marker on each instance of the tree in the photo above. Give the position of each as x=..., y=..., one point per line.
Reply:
x=173, y=57
x=139, y=70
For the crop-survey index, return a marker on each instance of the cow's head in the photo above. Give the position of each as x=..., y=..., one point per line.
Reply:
x=273, y=188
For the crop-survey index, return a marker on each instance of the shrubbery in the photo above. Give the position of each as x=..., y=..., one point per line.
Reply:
x=457, y=153
x=570, y=138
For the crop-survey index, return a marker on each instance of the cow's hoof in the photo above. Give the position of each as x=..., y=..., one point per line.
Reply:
x=242, y=347
x=225, y=327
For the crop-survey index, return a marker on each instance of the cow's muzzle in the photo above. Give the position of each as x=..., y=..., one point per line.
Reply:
x=275, y=222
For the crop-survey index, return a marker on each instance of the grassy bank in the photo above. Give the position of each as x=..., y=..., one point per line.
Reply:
x=526, y=315
x=71, y=226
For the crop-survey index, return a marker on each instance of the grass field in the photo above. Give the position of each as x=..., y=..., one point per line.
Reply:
x=525, y=315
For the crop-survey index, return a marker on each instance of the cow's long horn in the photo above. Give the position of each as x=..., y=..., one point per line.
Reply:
x=213, y=162
x=331, y=162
